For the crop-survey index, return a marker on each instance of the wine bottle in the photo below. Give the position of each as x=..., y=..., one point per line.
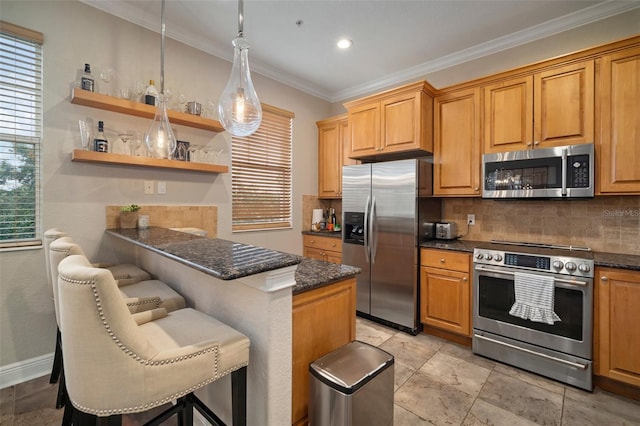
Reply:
x=86, y=80
x=100, y=143
x=150, y=94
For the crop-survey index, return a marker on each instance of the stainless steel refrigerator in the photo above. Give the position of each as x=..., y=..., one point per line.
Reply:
x=385, y=210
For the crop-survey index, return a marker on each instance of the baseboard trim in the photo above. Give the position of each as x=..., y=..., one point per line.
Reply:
x=26, y=370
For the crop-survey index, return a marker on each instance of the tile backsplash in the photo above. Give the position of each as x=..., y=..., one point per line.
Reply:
x=310, y=202
x=203, y=217
x=608, y=224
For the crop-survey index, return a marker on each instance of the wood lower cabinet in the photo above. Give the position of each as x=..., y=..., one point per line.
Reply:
x=457, y=146
x=617, y=330
x=619, y=108
x=328, y=249
x=396, y=121
x=550, y=108
x=445, y=290
x=323, y=320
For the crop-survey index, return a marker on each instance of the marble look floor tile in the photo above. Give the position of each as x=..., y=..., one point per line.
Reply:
x=531, y=378
x=402, y=417
x=602, y=403
x=464, y=353
x=401, y=375
x=436, y=402
x=372, y=333
x=524, y=399
x=457, y=373
x=412, y=351
x=484, y=413
x=577, y=413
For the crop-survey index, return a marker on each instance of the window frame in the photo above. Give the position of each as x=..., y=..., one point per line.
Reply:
x=34, y=126
x=251, y=166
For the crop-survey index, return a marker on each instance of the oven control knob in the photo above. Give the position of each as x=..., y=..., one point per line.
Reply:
x=479, y=256
x=570, y=266
x=584, y=267
x=497, y=258
x=489, y=256
x=557, y=265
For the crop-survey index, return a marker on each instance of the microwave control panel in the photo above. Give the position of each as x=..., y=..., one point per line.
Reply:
x=578, y=173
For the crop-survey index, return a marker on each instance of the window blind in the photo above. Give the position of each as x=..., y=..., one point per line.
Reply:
x=20, y=135
x=261, y=174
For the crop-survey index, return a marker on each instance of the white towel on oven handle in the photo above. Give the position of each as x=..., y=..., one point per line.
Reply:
x=534, y=298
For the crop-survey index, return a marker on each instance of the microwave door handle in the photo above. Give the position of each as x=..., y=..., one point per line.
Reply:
x=560, y=280
x=366, y=230
x=564, y=172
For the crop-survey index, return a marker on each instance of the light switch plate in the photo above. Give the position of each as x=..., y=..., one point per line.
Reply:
x=162, y=187
x=148, y=187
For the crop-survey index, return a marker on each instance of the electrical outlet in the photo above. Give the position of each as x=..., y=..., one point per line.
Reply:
x=162, y=187
x=471, y=219
x=148, y=187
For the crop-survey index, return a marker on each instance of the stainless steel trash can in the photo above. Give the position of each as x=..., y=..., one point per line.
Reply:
x=352, y=386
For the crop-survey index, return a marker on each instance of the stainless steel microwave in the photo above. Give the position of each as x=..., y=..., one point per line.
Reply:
x=558, y=172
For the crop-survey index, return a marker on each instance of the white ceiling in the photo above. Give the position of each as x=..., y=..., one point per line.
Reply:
x=394, y=40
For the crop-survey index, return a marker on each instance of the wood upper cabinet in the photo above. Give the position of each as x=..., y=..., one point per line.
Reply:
x=399, y=120
x=323, y=320
x=445, y=290
x=333, y=145
x=619, y=110
x=550, y=108
x=617, y=353
x=457, y=147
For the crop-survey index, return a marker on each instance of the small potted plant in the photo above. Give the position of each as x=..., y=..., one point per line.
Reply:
x=129, y=216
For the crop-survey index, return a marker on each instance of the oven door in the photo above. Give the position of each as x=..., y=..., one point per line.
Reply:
x=494, y=295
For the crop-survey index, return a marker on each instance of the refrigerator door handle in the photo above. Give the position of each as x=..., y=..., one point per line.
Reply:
x=373, y=237
x=366, y=230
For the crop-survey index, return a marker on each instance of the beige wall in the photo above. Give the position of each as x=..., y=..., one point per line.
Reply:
x=75, y=194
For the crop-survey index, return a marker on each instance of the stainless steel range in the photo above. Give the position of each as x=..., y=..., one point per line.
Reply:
x=533, y=308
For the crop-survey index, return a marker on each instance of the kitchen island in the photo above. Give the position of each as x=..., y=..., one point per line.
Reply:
x=251, y=289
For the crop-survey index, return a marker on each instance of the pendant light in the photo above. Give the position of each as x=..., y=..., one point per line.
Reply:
x=160, y=139
x=239, y=107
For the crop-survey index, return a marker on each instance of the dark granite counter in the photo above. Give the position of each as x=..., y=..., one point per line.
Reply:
x=227, y=260
x=312, y=273
x=331, y=234
x=220, y=258
x=611, y=260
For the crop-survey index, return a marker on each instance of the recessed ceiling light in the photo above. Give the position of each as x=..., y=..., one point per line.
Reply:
x=344, y=43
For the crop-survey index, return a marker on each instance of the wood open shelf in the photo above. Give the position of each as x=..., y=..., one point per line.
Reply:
x=128, y=160
x=125, y=106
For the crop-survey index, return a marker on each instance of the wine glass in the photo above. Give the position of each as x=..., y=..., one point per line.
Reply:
x=124, y=148
x=107, y=74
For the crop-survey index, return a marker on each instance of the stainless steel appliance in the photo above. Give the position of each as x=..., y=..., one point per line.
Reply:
x=559, y=348
x=446, y=231
x=559, y=172
x=386, y=212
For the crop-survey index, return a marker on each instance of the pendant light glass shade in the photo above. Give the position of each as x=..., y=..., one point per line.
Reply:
x=239, y=107
x=159, y=139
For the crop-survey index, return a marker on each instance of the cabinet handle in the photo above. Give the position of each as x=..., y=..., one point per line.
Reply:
x=604, y=278
x=528, y=143
x=441, y=260
x=464, y=278
x=477, y=188
x=313, y=241
x=536, y=143
x=333, y=245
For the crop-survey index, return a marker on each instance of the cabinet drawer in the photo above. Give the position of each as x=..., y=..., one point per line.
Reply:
x=445, y=259
x=325, y=243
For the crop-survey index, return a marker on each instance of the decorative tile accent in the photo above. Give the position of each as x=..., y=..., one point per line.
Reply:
x=203, y=217
x=608, y=224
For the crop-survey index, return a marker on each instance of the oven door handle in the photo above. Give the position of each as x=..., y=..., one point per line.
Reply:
x=541, y=355
x=560, y=280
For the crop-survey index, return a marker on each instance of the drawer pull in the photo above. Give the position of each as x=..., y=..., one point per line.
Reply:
x=604, y=278
x=441, y=260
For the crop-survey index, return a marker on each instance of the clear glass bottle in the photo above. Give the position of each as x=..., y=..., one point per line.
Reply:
x=86, y=80
x=150, y=94
x=100, y=142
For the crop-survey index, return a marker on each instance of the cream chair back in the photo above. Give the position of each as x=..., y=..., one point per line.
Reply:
x=49, y=236
x=103, y=346
x=58, y=250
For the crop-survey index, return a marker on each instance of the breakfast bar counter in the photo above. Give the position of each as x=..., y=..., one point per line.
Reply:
x=270, y=296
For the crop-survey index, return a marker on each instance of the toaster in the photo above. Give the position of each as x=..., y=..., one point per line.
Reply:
x=446, y=230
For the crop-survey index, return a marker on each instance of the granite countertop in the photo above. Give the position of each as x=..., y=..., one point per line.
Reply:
x=312, y=273
x=228, y=260
x=223, y=259
x=610, y=260
x=331, y=234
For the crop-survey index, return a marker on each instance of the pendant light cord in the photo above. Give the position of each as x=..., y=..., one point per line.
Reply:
x=162, y=49
x=240, y=18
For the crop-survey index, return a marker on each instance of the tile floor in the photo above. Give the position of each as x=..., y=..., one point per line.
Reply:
x=436, y=383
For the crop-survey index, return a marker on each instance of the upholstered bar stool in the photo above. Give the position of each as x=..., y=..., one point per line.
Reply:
x=115, y=365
